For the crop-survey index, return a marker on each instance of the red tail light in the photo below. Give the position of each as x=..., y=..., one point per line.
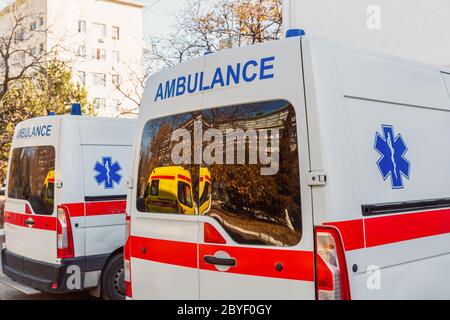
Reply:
x=127, y=258
x=331, y=268
x=64, y=235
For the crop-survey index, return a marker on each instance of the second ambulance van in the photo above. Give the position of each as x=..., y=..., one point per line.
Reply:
x=328, y=177
x=65, y=204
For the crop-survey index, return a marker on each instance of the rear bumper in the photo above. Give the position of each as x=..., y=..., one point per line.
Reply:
x=67, y=277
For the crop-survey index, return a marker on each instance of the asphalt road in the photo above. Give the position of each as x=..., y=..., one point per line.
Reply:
x=7, y=293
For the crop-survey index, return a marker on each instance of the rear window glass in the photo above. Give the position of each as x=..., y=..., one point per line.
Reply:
x=31, y=177
x=155, y=187
x=243, y=160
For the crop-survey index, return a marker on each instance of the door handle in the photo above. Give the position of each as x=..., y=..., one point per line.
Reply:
x=29, y=222
x=220, y=261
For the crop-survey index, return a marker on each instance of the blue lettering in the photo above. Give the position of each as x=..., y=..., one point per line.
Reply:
x=218, y=79
x=265, y=66
x=202, y=88
x=39, y=131
x=233, y=74
x=248, y=72
x=245, y=74
x=181, y=86
x=170, y=89
x=189, y=87
x=159, y=93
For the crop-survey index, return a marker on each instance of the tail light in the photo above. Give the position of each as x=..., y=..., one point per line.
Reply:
x=64, y=235
x=331, y=268
x=127, y=258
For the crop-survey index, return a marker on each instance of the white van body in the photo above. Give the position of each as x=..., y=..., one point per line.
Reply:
x=377, y=25
x=90, y=158
x=370, y=130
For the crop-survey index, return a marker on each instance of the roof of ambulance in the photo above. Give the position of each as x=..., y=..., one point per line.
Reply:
x=68, y=117
x=315, y=43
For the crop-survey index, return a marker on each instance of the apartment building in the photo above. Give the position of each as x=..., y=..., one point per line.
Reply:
x=101, y=39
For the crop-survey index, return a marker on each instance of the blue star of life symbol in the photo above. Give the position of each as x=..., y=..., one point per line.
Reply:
x=108, y=173
x=392, y=162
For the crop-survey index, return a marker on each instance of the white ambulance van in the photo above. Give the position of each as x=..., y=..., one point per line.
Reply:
x=65, y=204
x=327, y=177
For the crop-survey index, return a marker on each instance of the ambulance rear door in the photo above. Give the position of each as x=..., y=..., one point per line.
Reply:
x=164, y=233
x=256, y=237
x=30, y=212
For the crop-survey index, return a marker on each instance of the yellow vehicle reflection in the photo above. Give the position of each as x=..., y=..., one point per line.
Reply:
x=205, y=191
x=48, y=191
x=169, y=190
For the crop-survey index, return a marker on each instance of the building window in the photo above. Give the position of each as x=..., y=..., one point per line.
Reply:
x=82, y=78
x=116, y=80
x=116, y=56
x=115, y=33
x=100, y=103
x=82, y=51
x=34, y=51
x=41, y=21
x=20, y=36
x=81, y=26
x=99, y=54
x=100, y=31
x=22, y=58
x=33, y=26
x=99, y=79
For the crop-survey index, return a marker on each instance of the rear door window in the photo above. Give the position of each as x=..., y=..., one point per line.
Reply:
x=31, y=177
x=184, y=194
x=250, y=155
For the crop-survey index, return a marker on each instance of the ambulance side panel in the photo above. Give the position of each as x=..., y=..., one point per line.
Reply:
x=360, y=106
x=104, y=198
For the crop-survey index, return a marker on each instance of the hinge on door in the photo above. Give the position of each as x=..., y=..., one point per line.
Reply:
x=317, y=178
x=129, y=182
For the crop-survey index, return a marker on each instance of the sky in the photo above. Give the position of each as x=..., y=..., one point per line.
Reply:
x=158, y=16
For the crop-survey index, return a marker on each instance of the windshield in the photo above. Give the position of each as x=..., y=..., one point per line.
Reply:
x=31, y=177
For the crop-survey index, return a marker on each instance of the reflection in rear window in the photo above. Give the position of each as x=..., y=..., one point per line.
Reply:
x=32, y=177
x=241, y=163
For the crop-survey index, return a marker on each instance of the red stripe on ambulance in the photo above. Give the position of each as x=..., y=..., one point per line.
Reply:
x=403, y=227
x=352, y=233
x=297, y=265
x=40, y=222
x=104, y=208
x=91, y=209
x=392, y=229
x=164, y=251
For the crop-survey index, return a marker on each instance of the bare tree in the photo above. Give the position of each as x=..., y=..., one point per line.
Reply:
x=199, y=28
x=26, y=63
x=17, y=59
